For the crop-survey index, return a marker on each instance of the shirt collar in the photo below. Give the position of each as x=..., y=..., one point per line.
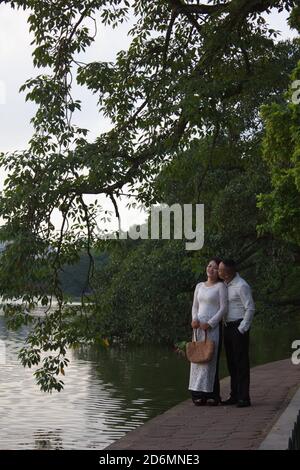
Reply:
x=234, y=280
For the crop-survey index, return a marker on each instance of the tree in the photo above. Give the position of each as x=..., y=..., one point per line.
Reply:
x=281, y=150
x=181, y=80
x=143, y=295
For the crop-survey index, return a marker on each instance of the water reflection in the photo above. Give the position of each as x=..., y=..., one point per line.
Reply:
x=107, y=392
x=50, y=440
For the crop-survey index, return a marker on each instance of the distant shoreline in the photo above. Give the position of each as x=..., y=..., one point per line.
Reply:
x=40, y=310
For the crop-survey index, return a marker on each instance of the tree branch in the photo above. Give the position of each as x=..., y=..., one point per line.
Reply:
x=175, y=4
x=168, y=36
x=181, y=7
x=88, y=249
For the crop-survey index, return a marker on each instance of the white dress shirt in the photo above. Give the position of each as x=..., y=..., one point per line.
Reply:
x=240, y=303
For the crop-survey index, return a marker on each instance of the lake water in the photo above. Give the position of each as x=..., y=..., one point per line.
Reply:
x=107, y=392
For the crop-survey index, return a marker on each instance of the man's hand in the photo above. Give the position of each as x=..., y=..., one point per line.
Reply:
x=195, y=324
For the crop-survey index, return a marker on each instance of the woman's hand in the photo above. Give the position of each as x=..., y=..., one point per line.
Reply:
x=204, y=326
x=195, y=324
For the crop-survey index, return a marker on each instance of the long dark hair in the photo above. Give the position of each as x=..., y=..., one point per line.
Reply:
x=216, y=259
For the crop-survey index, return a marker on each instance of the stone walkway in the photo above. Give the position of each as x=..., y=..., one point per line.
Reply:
x=222, y=427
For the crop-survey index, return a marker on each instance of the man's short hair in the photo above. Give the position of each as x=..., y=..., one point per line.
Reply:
x=230, y=264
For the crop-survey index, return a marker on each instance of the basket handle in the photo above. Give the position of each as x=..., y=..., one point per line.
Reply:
x=194, y=335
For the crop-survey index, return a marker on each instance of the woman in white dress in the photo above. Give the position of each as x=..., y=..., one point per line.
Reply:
x=209, y=306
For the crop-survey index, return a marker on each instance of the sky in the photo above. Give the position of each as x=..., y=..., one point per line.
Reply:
x=16, y=67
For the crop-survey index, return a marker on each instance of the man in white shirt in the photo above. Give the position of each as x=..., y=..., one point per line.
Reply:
x=236, y=333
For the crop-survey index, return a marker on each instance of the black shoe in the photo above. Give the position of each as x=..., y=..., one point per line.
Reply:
x=243, y=403
x=229, y=401
x=213, y=401
x=200, y=401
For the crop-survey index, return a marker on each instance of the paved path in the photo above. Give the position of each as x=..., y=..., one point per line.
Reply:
x=186, y=426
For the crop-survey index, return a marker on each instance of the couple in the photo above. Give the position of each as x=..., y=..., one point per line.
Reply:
x=225, y=295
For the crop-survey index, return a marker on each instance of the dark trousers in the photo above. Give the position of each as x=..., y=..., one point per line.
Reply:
x=237, y=354
x=215, y=394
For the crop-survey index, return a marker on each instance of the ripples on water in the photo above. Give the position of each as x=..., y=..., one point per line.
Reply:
x=107, y=393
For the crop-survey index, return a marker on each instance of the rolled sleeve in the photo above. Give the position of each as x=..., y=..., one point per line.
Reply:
x=248, y=303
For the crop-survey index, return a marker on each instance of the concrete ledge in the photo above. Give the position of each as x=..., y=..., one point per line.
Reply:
x=278, y=437
x=188, y=427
